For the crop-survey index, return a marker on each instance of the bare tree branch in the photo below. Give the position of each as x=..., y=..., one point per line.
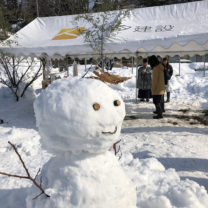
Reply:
x=12, y=175
x=15, y=75
x=10, y=87
x=37, y=174
x=119, y=149
x=28, y=177
x=32, y=80
x=23, y=75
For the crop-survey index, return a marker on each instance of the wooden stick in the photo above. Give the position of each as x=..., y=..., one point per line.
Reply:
x=28, y=177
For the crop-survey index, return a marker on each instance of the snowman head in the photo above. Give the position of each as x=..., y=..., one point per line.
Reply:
x=79, y=115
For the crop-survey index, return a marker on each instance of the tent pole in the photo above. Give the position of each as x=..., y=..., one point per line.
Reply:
x=85, y=64
x=132, y=64
x=44, y=68
x=44, y=81
x=204, y=65
x=68, y=67
x=136, y=92
x=102, y=59
x=75, y=69
x=179, y=66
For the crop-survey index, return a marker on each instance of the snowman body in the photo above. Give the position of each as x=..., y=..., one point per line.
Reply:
x=93, y=182
x=79, y=120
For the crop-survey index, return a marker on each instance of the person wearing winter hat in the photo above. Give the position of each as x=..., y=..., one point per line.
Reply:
x=144, y=81
x=168, y=74
x=158, y=86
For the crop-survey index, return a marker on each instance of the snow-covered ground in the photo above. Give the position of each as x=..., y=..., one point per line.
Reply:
x=163, y=158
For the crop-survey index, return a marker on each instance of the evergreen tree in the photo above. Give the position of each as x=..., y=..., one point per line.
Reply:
x=53, y=8
x=3, y=21
x=107, y=5
x=67, y=7
x=11, y=4
x=149, y=3
x=13, y=10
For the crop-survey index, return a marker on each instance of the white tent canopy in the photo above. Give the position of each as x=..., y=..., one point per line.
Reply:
x=180, y=29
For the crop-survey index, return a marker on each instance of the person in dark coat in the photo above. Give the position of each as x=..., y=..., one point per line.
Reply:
x=168, y=74
x=158, y=86
x=144, y=81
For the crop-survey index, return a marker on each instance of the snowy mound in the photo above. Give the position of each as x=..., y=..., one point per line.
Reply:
x=79, y=115
x=158, y=187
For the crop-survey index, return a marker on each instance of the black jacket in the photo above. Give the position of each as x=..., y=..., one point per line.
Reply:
x=168, y=72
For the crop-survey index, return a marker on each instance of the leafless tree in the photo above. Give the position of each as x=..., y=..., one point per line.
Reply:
x=18, y=73
x=102, y=26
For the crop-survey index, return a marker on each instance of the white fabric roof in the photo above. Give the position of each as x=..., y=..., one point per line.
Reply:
x=180, y=29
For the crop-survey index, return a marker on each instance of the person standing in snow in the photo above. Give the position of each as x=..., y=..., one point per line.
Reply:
x=168, y=74
x=144, y=81
x=158, y=86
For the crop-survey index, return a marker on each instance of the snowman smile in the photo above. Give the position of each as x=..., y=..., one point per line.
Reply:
x=103, y=132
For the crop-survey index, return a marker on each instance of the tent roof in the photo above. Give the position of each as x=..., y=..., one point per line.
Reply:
x=179, y=29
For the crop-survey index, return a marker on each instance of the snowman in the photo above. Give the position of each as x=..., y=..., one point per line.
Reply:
x=79, y=120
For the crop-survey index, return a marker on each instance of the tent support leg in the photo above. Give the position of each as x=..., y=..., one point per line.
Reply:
x=204, y=65
x=179, y=66
x=44, y=68
x=132, y=64
x=44, y=81
x=136, y=92
x=85, y=64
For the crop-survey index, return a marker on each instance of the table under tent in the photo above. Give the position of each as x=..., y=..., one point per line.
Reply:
x=172, y=30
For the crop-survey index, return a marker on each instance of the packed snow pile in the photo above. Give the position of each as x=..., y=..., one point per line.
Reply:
x=79, y=120
x=161, y=188
x=190, y=87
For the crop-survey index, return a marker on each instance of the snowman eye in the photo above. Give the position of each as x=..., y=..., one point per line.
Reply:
x=96, y=106
x=117, y=102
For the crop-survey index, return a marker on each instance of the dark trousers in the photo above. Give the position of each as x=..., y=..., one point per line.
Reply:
x=145, y=94
x=158, y=100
